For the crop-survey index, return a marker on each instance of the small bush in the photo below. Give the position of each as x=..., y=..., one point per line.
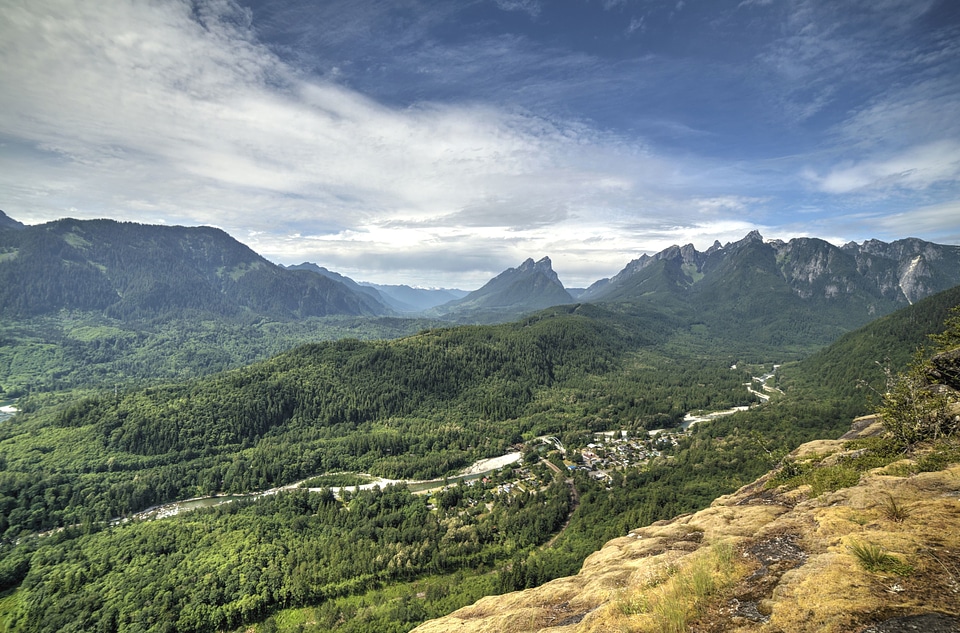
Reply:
x=944, y=453
x=832, y=478
x=913, y=409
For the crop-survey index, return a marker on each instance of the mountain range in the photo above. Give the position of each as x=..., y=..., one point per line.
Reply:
x=402, y=299
x=128, y=270
x=790, y=295
x=434, y=402
x=876, y=274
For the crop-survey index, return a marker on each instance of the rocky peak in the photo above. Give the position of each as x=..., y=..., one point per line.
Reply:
x=753, y=237
x=714, y=248
x=544, y=267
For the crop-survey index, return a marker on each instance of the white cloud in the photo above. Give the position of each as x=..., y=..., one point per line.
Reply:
x=173, y=111
x=528, y=6
x=130, y=108
x=916, y=168
x=636, y=24
x=919, y=111
x=938, y=222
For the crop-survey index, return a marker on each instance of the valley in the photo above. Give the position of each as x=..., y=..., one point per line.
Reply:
x=358, y=472
x=608, y=450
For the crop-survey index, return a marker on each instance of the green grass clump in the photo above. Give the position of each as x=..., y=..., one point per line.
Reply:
x=844, y=472
x=945, y=452
x=693, y=587
x=874, y=558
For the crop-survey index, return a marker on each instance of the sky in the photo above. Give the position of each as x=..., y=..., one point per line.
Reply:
x=438, y=143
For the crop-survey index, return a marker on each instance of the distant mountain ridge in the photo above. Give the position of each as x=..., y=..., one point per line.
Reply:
x=130, y=270
x=787, y=293
x=404, y=298
x=401, y=298
x=901, y=272
x=6, y=222
x=529, y=287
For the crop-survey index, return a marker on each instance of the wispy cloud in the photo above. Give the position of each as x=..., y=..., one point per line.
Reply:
x=636, y=24
x=238, y=139
x=374, y=142
x=527, y=6
x=917, y=168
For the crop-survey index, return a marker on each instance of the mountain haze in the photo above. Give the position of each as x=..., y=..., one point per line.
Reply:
x=401, y=298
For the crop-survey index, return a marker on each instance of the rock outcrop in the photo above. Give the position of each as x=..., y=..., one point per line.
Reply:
x=766, y=559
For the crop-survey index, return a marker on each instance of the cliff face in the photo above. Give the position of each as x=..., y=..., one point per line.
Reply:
x=882, y=555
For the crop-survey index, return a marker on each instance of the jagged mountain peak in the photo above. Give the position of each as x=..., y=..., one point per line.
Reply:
x=528, y=287
x=543, y=266
x=806, y=282
x=753, y=237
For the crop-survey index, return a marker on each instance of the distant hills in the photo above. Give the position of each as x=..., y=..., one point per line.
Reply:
x=773, y=295
x=400, y=298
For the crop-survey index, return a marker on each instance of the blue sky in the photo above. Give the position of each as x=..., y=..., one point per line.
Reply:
x=438, y=143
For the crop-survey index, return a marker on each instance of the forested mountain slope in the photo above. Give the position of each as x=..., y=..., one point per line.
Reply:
x=796, y=295
x=128, y=270
x=6, y=222
x=414, y=406
x=856, y=534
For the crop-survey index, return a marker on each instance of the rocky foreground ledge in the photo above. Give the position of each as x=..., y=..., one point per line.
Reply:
x=880, y=556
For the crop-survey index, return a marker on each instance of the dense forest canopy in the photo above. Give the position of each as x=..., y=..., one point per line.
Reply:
x=421, y=406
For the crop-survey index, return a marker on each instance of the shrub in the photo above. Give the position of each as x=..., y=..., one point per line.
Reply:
x=912, y=409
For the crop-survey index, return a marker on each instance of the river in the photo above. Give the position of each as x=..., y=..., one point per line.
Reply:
x=477, y=470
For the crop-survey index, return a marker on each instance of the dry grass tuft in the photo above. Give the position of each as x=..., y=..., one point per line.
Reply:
x=894, y=510
x=671, y=599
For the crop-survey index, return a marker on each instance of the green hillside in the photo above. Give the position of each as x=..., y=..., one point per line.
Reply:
x=415, y=407
x=134, y=271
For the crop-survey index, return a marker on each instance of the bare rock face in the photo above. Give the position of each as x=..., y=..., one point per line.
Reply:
x=914, y=278
x=926, y=623
x=775, y=560
x=945, y=369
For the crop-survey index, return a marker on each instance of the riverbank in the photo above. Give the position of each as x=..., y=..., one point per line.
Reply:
x=474, y=471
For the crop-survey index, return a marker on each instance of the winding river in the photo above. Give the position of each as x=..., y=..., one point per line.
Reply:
x=477, y=470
